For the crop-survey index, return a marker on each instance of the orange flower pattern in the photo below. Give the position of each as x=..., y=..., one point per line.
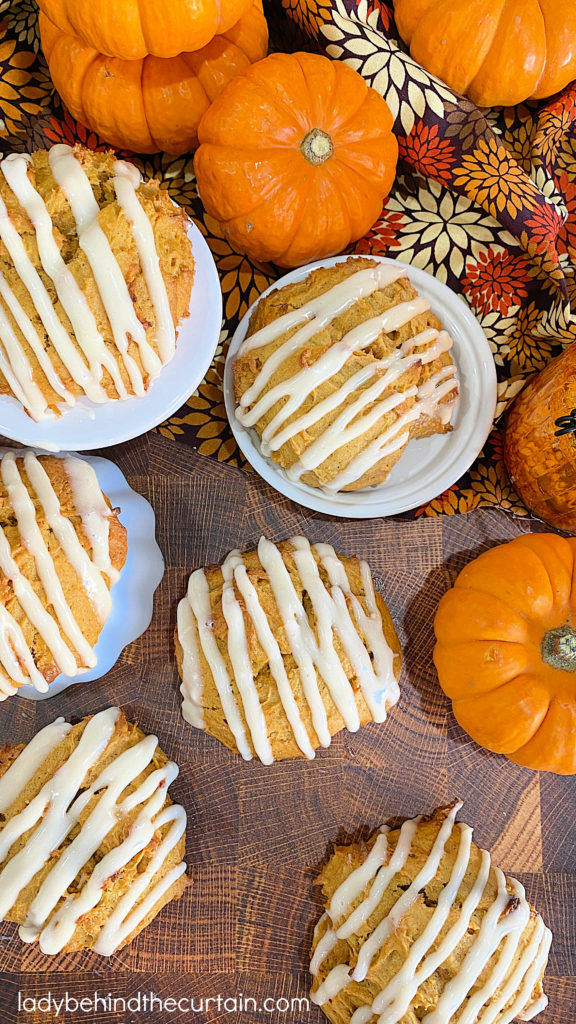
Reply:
x=484, y=200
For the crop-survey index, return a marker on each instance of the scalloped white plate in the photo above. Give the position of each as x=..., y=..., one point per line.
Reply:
x=89, y=425
x=428, y=466
x=133, y=594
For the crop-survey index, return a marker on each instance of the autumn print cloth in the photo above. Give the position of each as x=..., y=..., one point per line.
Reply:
x=484, y=200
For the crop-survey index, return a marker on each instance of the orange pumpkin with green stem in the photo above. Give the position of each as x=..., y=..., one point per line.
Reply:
x=506, y=650
x=296, y=156
x=132, y=29
x=155, y=103
x=497, y=52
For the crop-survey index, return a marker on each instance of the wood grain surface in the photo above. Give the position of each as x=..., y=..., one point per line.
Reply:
x=256, y=834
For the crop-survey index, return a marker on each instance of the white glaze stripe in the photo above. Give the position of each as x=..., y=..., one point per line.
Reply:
x=57, y=810
x=496, y=942
x=93, y=511
x=337, y=612
x=199, y=600
x=16, y=369
x=19, y=774
x=126, y=181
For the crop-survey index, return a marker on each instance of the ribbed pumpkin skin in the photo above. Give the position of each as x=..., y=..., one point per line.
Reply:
x=295, y=158
x=494, y=632
x=541, y=463
x=496, y=52
x=132, y=29
x=156, y=103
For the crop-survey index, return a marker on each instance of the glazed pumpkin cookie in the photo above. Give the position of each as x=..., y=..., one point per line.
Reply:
x=419, y=926
x=96, y=273
x=91, y=845
x=339, y=371
x=281, y=648
x=61, y=549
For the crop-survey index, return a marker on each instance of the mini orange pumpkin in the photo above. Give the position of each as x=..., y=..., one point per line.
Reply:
x=540, y=442
x=506, y=650
x=295, y=158
x=497, y=52
x=155, y=103
x=131, y=29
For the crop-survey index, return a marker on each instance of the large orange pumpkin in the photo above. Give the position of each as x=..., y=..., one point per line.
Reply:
x=131, y=29
x=506, y=650
x=155, y=103
x=295, y=158
x=497, y=52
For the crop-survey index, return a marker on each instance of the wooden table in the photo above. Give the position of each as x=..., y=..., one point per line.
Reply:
x=257, y=835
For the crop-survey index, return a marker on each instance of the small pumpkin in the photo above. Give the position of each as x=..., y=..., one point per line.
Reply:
x=132, y=29
x=506, y=650
x=540, y=442
x=496, y=52
x=155, y=103
x=295, y=158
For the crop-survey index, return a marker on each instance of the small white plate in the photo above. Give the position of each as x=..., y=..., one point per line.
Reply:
x=133, y=594
x=89, y=425
x=428, y=466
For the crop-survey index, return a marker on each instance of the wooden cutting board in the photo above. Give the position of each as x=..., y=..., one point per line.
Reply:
x=257, y=835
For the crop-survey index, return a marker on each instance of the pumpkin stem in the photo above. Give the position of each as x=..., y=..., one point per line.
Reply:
x=317, y=146
x=559, y=648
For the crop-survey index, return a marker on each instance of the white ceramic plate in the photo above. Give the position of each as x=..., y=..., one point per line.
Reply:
x=428, y=466
x=88, y=425
x=133, y=594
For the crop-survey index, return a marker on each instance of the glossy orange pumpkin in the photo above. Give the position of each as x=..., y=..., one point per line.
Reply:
x=295, y=158
x=506, y=650
x=540, y=442
x=131, y=29
x=155, y=103
x=497, y=52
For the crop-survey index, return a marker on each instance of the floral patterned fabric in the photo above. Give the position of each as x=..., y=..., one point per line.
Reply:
x=484, y=200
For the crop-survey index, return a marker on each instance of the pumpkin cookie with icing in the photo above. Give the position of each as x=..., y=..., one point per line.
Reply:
x=282, y=647
x=61, y=549
x=419, y=926
x=339, y=371
x=96, y=273
x=91, y=845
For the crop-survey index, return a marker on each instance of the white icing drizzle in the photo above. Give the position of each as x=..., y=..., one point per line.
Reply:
x=93, y=511
x=91, y=576
x=337, y=612
x=59, y=623
x=436, y=397
x=500, y=931
x=85, y=355
x=33, y=338
x=127, y=178
x=58, y=809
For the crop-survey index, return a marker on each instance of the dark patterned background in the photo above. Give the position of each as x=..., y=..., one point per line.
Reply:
x=484, y=200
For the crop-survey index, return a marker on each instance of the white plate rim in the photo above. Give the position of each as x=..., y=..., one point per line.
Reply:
x=98, y=426
x=372, y=503
x=133, y=593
